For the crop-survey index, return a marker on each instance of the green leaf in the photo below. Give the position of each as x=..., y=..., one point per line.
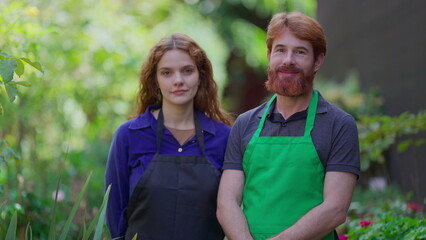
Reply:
x=4, y=56
x=12, y=91
x=74, y=209
x=11, y=231
x=22, y=83
x=95, y=219
x=20, y=67
x=36, y=65
x=404, y=145
x=28, y=233
x=101, y=220
x=7, y=67
x=1, y=110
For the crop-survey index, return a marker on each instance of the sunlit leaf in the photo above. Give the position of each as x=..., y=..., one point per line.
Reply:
x=36, y=65
x=23, y=83
x=20, y=68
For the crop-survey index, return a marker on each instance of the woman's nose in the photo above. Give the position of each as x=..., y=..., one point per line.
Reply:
x=178, y=78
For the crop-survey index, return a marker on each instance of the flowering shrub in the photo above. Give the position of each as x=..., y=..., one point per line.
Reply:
x=343, y=237
x=383, y=215
x=389, y=227
x=365, y=223
x=414, y=207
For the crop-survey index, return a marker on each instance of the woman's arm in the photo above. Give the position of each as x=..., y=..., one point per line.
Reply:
x=117, y=175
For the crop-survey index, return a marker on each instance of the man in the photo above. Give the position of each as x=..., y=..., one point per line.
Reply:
x=292, y=162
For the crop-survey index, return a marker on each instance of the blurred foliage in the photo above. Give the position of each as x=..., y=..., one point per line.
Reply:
x=377, y=131
x=384, y=214
x=95, y=228
x=349, y=95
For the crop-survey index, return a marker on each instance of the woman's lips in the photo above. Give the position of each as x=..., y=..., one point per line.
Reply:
x=179, y=92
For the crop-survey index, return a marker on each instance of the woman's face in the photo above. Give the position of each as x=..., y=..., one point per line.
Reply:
x=178, y=78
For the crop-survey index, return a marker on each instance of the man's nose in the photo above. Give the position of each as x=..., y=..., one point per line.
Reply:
x=288, y=58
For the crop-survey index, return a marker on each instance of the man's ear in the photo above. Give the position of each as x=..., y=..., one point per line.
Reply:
x=318, y=62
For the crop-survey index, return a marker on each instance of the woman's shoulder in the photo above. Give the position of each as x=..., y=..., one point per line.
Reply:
x=212, y=125
x=138, y=122
x=222, y=127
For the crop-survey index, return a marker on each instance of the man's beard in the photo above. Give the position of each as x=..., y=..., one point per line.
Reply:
x=289, y=86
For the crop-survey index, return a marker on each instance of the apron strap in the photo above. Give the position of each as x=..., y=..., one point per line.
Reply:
x=312, y=110
x=198, y=132
x=310, y=120
x=160, y=128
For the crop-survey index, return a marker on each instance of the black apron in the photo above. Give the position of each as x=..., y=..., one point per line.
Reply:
x=176, y=196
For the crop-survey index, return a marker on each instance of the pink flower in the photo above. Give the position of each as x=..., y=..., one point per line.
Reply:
x=365, y=223
x=61, y=195
x=343, y=237
x=414, y=207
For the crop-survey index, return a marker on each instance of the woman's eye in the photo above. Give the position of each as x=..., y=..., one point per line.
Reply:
x=189, y=70
x=165, y=73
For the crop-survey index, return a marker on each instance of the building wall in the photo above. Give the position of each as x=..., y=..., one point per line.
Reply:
x=385, y=42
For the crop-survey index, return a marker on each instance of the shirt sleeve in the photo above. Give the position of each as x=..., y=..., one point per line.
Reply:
x=344, y=155
x=234, y=153
x=117, y=175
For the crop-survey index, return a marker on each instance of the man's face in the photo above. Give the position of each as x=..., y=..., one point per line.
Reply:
x=292, y=65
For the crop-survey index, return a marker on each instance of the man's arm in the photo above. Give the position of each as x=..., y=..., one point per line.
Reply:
x=229, y=212
x=324, y=218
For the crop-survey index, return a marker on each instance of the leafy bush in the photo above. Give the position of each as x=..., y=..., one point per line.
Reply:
x=377, y=131
x=96, y=226
x=389, y=227
x=386, y=215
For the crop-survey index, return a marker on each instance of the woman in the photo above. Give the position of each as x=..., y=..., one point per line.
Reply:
x=164, y=165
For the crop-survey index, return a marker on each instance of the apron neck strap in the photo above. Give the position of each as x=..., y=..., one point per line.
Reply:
x=198, y=131
x=312, y=109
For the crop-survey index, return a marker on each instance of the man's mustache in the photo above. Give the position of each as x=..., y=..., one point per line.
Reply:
x=288, y=69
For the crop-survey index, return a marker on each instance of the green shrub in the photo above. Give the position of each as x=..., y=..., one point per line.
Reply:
x=387, y=215
x=95, y=228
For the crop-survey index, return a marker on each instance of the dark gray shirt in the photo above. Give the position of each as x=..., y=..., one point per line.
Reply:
x=335, y=135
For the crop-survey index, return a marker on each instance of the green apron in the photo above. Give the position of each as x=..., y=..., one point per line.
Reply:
x=284, y=178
